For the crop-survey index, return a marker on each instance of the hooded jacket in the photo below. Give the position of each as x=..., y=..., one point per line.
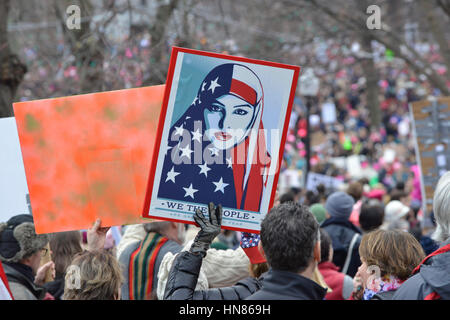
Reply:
x=430, y=280
x=341, y=284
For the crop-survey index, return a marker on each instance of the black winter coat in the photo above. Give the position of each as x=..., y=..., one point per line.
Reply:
x=341, y=233
x=56, y=287
x=284, y=285
x=183, y=278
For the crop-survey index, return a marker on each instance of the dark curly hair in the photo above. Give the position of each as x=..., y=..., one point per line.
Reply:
x=288, y=235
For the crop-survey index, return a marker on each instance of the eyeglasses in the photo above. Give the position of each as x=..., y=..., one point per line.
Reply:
x=44, y=251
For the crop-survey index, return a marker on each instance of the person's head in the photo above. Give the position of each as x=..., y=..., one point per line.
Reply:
x=400, y=186
x=64, y=246
x=290, y=238
x=321, y=190
x=415, y=205
x=288, y=196
x=326, y=247
x=399, y=195
x=232, y=96
x=172, y=230
x=297, y=193
x=394, y=252
x=441, y=208
x=19, y=242
x=93, y=276
x=318, y=210
x=395, y=214
x=355, y=190
x=371, y=216
x=339, y=205
x=311, y=198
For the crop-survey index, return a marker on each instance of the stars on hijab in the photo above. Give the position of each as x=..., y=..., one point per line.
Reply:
x=204, y=169
x=179, y=131
x=190, y=191
x=220, y=185
x=197, y=135
x=214, y=85
x=186, y=151
x=171, y=175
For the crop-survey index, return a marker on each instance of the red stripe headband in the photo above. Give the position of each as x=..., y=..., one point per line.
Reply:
x=243, y=91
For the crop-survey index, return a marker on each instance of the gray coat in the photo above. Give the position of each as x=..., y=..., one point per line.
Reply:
x=21, y=287
x=431, y=277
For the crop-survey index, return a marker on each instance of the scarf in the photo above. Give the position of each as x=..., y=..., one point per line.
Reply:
x=23, y=269
x=386, y=283
x=142, y=265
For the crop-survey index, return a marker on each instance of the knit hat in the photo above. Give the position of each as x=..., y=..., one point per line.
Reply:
x=339, y=205
x=395, y=210
x=318, y=211
x=18, y=238
x=376, y=194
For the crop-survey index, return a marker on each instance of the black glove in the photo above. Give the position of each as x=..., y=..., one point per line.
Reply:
x=210, y=228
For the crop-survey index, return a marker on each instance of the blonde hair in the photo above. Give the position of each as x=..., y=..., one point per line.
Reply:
x=99, y=277
x=395, y=252
x=441, y=208
x=257, y=269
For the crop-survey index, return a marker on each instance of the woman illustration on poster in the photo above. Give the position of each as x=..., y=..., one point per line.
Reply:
x=224, y=122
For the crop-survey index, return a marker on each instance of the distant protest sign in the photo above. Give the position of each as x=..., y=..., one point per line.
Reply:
x=329, y=113
x=431, y=127
x=88, y=156
x=222, y=131
x=316, y=179
x=14, y=198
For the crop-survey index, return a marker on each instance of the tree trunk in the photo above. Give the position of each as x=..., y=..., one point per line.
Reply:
x=372, y=89
x=435, y=25
x=87, y=46
x=158, y=67
x=12, y=69
x=389, y=38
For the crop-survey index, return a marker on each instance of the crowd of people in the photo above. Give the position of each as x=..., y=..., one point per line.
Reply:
x=302, y=252
x=365, y=239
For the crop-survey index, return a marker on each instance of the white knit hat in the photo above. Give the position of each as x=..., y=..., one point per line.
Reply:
x=395, y=210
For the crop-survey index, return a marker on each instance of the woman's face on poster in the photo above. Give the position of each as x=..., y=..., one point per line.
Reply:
x=227, y=120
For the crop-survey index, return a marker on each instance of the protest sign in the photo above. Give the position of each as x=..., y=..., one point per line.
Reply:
x=431, y=128
x=316, y=179
x=328, y=112
x=14, y=198
x=289, y=178
x=88, y=156
x=222, y=131
x=354, y=166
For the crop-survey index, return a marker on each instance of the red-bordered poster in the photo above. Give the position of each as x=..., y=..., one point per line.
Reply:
x=222, y=132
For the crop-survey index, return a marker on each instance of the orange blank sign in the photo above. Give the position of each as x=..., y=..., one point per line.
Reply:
x=88, y=156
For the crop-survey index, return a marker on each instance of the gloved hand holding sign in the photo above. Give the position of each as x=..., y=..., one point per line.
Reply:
x=210, y=228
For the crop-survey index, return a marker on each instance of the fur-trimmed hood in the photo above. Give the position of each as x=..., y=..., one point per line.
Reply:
x=18, y=239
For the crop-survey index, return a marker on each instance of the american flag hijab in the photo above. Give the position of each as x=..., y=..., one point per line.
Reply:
x=195, y=169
